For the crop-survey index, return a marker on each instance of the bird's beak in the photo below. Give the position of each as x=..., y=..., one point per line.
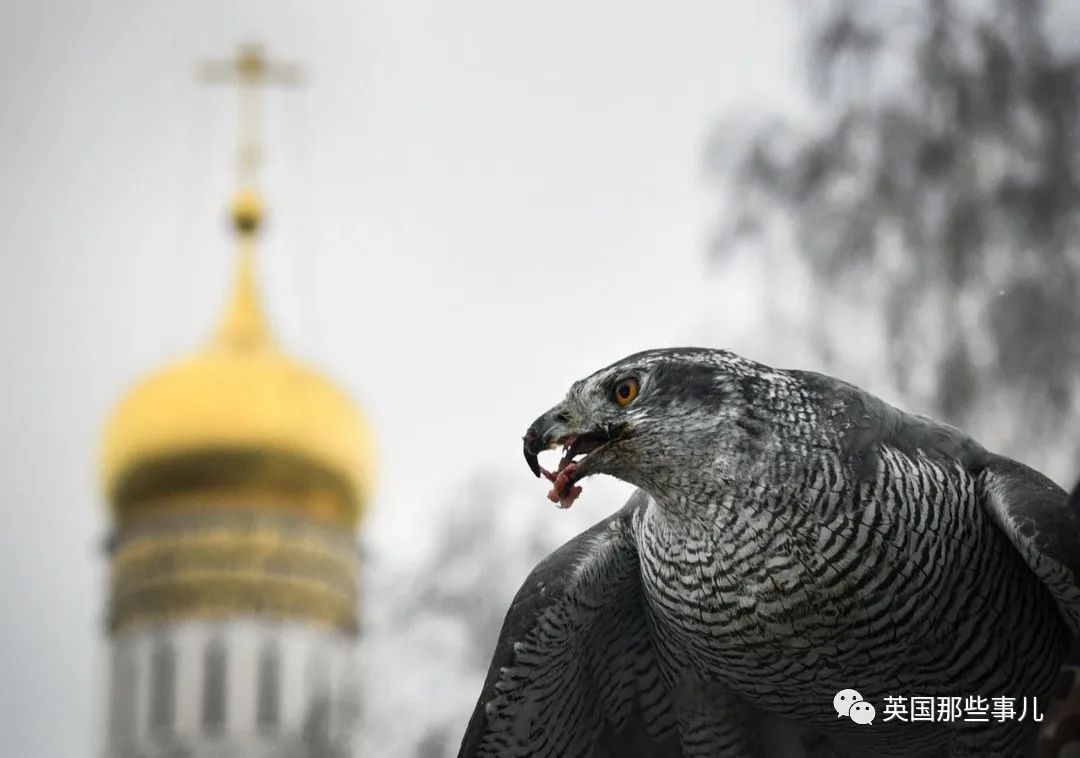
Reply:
x=543, y=434
x=555, y=428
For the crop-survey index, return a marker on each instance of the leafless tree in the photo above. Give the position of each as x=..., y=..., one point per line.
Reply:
x=936, y=177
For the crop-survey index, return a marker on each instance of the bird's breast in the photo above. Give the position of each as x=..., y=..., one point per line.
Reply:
x=745, y=605
x=892, y=580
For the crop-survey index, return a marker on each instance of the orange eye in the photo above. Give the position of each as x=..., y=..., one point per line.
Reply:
x=625, y=391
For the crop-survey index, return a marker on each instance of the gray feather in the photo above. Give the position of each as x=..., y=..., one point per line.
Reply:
x=573, y=672
x=797, y=536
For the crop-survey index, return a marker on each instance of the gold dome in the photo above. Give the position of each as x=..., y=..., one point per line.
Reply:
x=241, y=395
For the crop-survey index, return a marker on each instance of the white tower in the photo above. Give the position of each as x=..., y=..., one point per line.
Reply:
x=237, y=478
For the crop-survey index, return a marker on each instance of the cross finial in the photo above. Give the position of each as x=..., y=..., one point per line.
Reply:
x=251, y=70
x=244, y=327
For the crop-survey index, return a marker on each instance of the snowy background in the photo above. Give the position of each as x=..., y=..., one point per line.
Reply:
x=472, y=204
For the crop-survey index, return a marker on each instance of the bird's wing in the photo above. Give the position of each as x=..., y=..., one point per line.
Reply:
x=1043, y=524
x=1036, y=515
x=573, y=673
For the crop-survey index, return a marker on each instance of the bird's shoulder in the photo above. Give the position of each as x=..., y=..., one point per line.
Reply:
x=1034, y=514
x=559, y=573
x=859, y=424
x=576, y=634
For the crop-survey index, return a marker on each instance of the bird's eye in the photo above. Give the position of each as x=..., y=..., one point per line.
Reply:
x=625, y=391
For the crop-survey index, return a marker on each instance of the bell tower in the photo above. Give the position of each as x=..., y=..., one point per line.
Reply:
x=237, y=478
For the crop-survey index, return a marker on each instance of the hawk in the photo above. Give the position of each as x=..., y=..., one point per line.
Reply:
x=791, y=537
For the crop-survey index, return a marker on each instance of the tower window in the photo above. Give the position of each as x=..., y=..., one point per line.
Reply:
x=163, y=686
x=268, y=706
x=123, y=695
x=214, y=694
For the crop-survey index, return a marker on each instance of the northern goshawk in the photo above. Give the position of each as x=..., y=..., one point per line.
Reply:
x=792, y=536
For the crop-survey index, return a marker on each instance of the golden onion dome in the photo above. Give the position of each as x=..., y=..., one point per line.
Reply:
x=239, y=396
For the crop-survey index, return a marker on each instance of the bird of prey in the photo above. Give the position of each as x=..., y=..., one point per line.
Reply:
x=791, y=536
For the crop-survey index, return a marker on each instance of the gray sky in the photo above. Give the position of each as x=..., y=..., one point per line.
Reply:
x=471, y=204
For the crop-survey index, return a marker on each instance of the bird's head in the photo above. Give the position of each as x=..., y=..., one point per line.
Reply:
x=651, y=419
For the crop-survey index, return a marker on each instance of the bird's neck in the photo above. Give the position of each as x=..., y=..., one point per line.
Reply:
x=697, y=505
x=722, y=504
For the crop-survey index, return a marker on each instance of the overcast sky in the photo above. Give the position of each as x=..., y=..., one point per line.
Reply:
x=470, y=205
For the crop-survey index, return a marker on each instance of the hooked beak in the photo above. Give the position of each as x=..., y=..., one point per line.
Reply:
x=541, y=436
x=553, y=429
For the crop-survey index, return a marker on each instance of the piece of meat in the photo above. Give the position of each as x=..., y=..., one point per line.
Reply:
x=563, y=492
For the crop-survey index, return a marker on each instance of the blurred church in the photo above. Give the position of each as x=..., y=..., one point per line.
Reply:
x=237, y=478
